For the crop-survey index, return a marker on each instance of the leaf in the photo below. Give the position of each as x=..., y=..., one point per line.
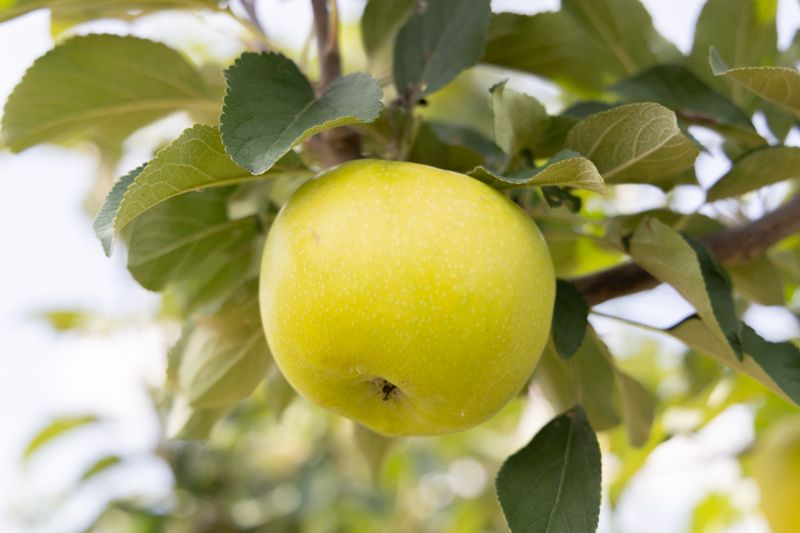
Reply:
x=440, y=39
x=779, y=85
x=758, y=280
x=588, y=377
x=193, y=161
x=185, y=422
x=623, y=28
x=549, y=45
x=744, y=33
x=569, y=319
x=226, y=354
x=108, y=87
x=380, y=23
x=55, y=429
x=373, y=447
x=271, y=107
x=756, y=169
x=180, y=238
x=98, y=8
x=101, y=465
x=635, y=143
x=638, y=407
x=432, y=148
x=566, y=168
x=689, y=268
x=519, y=119
x=553, y=483
x=776, y=365
x=677, y=88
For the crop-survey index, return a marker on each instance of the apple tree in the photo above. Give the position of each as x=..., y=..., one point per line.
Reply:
x=563, y=114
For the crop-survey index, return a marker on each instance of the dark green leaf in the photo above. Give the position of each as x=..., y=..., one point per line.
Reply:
x=569, y=319
x=677, y=88
x=270, y=107
x=441, y=39
x=566, y=169
x=780, y=360
x=445, y=147
x=55, y=429
x=757, y=169
x=380, y=23
x=553, y=483
x=107, y=87
x=635, y=143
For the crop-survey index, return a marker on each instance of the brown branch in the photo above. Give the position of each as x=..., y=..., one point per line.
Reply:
x=341, y=144
x=731, y=246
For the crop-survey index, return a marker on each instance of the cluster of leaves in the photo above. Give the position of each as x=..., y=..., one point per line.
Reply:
x=195, y=216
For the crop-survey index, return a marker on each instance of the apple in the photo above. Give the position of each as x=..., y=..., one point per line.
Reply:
x=413, y=300
x=777, y=470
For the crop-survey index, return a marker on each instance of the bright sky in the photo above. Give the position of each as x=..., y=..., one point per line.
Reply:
x=51, y=260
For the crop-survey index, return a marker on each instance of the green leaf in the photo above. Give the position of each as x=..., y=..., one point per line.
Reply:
x=101, y=465
x=744, y=33
x=550, y=45
x=441, y=39
x=55, y=429
x=689, y=268
x=553, y=483
x=623, y=28
x=185, y=422
x=757, y=169
x=226, y=354
x=758, y=280
x=519, y=119
x=436, y=145
x=638, y=408
x=569, y=319
x=380, y=23
x=677, y=88
x=99, y=8
x=779, y=85
x=373, y=447
x=107, y=87
x=270, y=107
x=180, y=238
x=566, y=169
x=636, y=143
x=776, y=365
x=588, y=377
x=195, y=160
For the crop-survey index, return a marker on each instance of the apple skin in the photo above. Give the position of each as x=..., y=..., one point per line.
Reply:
x=777, y=471
x=413, y=300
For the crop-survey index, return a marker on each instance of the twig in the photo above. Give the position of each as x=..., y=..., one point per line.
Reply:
x=731, y=246
x=341, y=144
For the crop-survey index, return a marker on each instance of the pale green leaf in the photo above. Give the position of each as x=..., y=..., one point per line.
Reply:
x=742, y=31
x=439, y=41
x=373, y=447
x=758, y=280
x=779, y=85
x=100, y=466
x=519, y=119
x=757, y=169
x=380, y=23
x=565, y=169
x=226, y=354
x=99, y=8
x=636, y=143
x=185, y=422
x=689, y=269
x=101, y=87
x=271, y=107
x=638, y=408
x=195, y=160
x=55, y=429
x=553, y=483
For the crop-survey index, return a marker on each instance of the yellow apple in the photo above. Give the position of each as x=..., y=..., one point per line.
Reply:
x=777, y=470
x=413, y=300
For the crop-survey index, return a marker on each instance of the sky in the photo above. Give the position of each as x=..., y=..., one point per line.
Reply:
x=52, y=261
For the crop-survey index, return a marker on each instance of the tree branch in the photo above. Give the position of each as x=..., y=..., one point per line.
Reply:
x=341, y=144
x=731, y=246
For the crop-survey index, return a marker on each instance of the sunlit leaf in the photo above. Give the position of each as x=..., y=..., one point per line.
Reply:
x=757, y=169
x=55, y=429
